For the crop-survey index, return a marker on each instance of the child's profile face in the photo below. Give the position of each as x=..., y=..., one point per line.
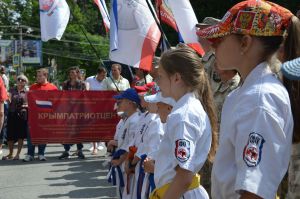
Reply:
x=164, y=82
x=152, y=107
x=163, y=111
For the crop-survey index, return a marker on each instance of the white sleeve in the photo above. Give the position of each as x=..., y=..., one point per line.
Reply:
x=185, y=141
x=151, y=139
x=262, y=151
x=105, y=84
x=118, y=129
x=127, y=84
x=129, y=136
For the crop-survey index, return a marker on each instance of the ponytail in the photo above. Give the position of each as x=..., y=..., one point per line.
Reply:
x=206, y=98
x=186, y=61
x=292, y=41
x=292, y=51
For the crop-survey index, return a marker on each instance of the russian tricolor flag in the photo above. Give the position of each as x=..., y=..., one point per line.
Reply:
x=134, y=34
x=43, y=104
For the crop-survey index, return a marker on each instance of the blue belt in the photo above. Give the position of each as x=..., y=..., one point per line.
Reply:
x=151, y=183
x=141, y=177
x=112, y=178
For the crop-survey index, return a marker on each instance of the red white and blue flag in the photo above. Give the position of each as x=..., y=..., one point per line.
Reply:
x=43, y=104
x=186, y=22
x=54, y=18
x=134, y=34
x=104, y=12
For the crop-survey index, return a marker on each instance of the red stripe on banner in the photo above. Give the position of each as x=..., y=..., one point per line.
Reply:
x=197, y=47
x=149, y=46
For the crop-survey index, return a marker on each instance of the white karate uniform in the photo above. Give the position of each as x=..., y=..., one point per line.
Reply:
x=127, y=140
x=117, y=136
x=147, y=141
x=255, y=138
x=188, y=133
x=119, y=130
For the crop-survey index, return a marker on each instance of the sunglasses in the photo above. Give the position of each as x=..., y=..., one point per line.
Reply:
x=21, y=80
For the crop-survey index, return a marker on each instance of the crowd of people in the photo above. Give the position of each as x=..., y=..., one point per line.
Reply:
x=225, y=125
x=15, y=107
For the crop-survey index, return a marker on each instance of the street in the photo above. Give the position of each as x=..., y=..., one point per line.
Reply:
x=71, y=178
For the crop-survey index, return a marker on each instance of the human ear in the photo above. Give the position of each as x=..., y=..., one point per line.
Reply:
x=177, y=77
x=246, y=43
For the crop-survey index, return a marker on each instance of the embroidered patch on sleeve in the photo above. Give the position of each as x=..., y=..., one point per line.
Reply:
x=182, y=150
x=252, y=153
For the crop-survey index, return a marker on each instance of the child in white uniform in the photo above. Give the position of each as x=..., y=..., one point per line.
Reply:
x=164, y=107
x=256, y=124
x=129, y=103
x=190, y=129
x=147, y=141
x=115, y=174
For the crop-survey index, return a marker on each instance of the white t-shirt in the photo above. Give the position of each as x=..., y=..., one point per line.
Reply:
x=186, y=141
x=94, y=84
x=122, y=84
x=255, y=138
x=129, y=129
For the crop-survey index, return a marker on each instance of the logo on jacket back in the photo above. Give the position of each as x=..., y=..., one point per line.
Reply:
x=253, y=150
x=182, y=150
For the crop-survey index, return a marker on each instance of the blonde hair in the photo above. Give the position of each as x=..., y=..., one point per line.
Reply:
x=187, y=63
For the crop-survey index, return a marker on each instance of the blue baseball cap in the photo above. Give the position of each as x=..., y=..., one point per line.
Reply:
x=129, y=94
x=291, y=69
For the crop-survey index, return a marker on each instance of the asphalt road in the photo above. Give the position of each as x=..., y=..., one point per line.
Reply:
x=71, y=178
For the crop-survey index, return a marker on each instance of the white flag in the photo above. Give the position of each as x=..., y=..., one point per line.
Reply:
x=134, y=34
x=54, y=18
x=104, y=12
x=186, y=22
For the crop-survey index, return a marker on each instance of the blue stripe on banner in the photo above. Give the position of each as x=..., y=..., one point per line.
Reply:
x=44, y=106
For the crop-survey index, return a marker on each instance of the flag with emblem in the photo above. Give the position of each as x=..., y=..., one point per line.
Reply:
x=134, y=34
x=54, y=18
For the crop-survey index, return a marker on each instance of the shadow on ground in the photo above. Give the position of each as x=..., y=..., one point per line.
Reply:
x=85, y=176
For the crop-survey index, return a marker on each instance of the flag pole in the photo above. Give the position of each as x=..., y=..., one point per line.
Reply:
x=164, y=37
x=96, y=52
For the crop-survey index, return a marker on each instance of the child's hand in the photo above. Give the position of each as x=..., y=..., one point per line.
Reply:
x=115, y=162
x=149, y=165
x=111, y=144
